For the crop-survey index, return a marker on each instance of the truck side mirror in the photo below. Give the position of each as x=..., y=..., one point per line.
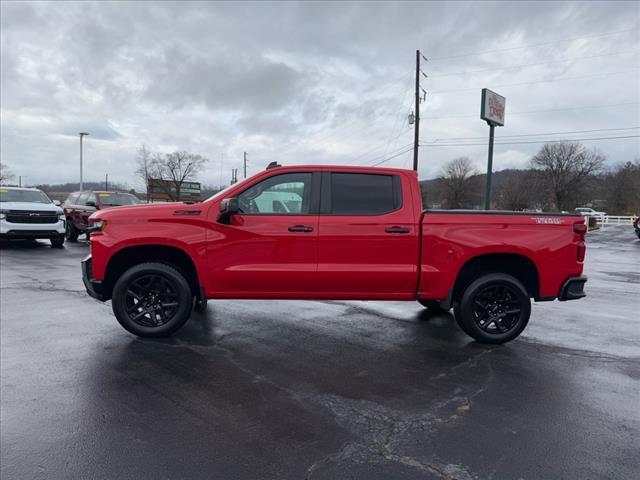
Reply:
x=90, y=203
x=228, y=207
x=57, y=203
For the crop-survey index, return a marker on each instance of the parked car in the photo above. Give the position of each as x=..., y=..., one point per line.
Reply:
x=27, y=213
x=589, y=212
x=636, y=226
x=80, y=205
x=357, y=234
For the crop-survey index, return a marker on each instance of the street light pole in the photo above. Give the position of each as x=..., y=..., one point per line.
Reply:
x=82, y=134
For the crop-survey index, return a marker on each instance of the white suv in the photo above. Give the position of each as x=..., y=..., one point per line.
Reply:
x=29, y=213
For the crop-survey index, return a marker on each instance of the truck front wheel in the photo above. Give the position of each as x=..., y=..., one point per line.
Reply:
x=152, y=300
x=494, y=308
x=71, y=232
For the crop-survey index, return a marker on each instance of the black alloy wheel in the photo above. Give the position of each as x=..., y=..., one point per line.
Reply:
x=152, y=300
x=494, y=308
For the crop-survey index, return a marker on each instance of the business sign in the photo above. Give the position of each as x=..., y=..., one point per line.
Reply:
x=492, y=107
x=159, y=190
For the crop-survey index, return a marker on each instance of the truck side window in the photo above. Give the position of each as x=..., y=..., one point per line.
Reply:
x=364, y=194
x=82, y=198
x=73, y=199
x=286, y=194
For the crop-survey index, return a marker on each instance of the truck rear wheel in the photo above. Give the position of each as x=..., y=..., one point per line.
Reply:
x=494, y=308
x=152, y=300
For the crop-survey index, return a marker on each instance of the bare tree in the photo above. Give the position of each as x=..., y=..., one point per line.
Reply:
x=5, y=174
x=143, y=161
x=567, y=168
x=517, y=189
x=175, y=168
x=622, y=189
x=460, y=186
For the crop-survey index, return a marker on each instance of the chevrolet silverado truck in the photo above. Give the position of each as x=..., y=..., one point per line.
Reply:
x=79, y=206
x=356, y=234
x=28, y=213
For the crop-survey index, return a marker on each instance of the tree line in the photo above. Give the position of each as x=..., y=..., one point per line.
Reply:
x=560, y=177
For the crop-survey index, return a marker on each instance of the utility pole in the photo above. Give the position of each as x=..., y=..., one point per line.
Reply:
x=20, y=180
x=416, y=125
x=106, y=181
x=245, y=164
x=82, y=134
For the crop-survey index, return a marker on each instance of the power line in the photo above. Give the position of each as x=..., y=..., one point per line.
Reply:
x=438, y=75
x=387, y=143
x=394, y=156
x=542, y=111
x=381, y=145
x=539, y=81
x=530, y=141
x=569, y=39
x=378, y=157
x=539, y=134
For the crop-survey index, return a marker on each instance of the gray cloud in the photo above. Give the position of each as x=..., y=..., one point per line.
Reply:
x=310, y=81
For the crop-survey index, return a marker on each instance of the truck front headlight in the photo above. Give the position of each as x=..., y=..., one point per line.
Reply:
x=96, y=226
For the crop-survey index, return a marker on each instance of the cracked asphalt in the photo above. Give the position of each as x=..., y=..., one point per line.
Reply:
x=318, y=390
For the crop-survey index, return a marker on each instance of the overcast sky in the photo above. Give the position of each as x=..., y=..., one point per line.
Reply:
x=308, y=82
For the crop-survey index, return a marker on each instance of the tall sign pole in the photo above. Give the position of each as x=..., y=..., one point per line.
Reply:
x=416, y=126
x=492, y=110
x=245, y=164
x=82, y=134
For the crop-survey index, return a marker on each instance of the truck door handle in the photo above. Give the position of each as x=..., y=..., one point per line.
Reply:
x=397, y=230
x=300, y=228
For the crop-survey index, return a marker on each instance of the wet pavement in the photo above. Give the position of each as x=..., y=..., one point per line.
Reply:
x=319, y=390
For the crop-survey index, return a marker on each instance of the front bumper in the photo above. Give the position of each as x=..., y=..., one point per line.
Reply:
x=573, y=289
x=31, y=230
x=93, y=287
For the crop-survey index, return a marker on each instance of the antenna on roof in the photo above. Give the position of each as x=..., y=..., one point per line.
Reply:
x=273, y=165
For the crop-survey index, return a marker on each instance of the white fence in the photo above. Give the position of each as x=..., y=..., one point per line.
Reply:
x=616, y=220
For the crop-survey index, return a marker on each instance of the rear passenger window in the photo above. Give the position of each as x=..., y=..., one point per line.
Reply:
x=364, y=194
x=73, y=199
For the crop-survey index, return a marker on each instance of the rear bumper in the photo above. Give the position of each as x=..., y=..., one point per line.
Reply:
x=573, y=289
x=93, y=287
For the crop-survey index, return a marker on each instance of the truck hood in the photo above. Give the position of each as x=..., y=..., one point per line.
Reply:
x=145, y=211
x=42, y=207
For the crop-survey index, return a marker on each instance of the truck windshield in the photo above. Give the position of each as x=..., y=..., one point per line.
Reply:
x=116, y=199
x=29, y=196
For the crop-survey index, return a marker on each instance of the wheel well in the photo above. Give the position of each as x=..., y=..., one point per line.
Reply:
x=128, y=257
x=518, y=266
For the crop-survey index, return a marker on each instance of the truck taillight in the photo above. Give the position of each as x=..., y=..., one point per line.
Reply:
x=581, y=229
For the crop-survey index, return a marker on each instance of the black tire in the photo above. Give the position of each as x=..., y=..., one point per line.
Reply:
x=494, y=308
x=71, y=232
x=57, y=242
x=432, y=305
x=152, y=300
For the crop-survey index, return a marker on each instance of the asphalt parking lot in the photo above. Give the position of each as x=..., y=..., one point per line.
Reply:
x=320, y=390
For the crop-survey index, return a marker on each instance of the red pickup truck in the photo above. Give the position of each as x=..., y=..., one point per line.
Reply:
x=323, y=232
